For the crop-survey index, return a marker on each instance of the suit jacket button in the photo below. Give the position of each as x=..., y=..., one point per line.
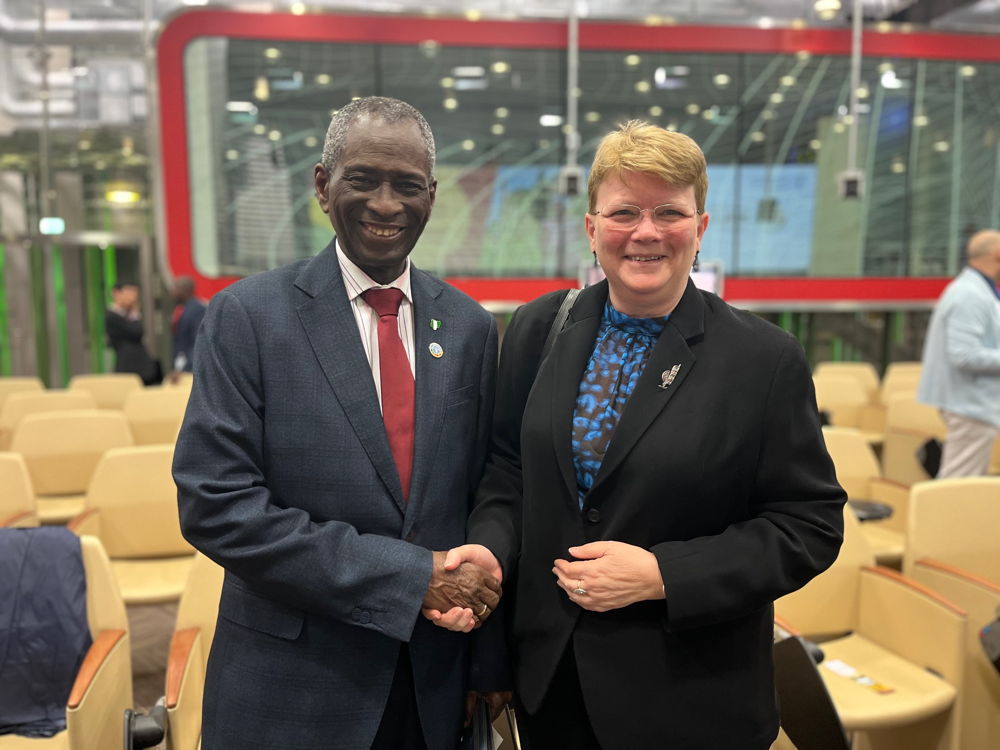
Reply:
x=366, y=617
x=357, y=614
x=594, y=515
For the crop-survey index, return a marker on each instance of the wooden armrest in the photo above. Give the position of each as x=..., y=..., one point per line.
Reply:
x=181, y=646
x=986, y=583
x=96, y=656
x=9, y=521
x=86, y=523
x=918, y=587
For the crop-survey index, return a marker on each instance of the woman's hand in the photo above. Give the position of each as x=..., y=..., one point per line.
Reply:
x=612, y=575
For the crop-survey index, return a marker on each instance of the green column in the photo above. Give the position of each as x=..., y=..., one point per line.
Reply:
x=62, y=331
x=38, y=313
x=94, y=296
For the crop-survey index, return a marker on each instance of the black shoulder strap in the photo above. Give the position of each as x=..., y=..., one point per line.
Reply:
x=559, y=321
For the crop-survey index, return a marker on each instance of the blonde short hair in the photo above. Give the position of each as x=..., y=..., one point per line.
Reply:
x=638, y=146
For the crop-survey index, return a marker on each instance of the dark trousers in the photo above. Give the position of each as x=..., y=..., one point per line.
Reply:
x=561, y=721
x=400, y=728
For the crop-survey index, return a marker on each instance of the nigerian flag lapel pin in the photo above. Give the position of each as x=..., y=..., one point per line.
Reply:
x=435, y=324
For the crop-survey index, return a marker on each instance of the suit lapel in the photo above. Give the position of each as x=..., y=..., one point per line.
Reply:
x=432, y=380
x=567, y=361
x=332, y=331
x=671, y=354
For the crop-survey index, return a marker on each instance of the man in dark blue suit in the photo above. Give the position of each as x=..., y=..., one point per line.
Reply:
x=292, y=474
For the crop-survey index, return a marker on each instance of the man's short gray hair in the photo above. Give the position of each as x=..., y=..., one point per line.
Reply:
x=376, y=108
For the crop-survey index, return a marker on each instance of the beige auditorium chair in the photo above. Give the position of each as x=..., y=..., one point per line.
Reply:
x=956, y=521
x=843, y=399
x=179, y=380
x=155, y=414
x=18, y=405
x=995, y=458
x=17, y=498
x=10, y=384
x=909, y=425
x=103, y=687
x=863, y=372
x=894, y=650
x=980, y=598
x=131, y=505
x=109, y=389
x=61, y=450
x=189, y=647
x=860, y=475
x=900, y=378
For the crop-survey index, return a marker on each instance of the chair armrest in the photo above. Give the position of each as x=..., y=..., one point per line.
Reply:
x=894, y=494
x=87, y=523
x=23, y=519
x=96, y=657
x=185, y=688
x=101, y=693
x=912, y=621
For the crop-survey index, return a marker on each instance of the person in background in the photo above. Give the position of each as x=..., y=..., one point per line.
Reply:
x=960, y=374
x=184, y=323
x=337, y=428
x=123, y=325
x=654, y=483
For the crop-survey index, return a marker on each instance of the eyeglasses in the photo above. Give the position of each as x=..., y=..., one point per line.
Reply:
x=627, y=216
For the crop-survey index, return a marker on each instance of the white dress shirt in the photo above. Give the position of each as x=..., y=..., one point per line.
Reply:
x=357, y=281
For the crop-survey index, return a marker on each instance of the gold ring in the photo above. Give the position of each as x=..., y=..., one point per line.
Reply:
x=483, y=611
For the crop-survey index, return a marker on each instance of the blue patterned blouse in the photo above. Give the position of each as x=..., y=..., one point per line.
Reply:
x=620, y=354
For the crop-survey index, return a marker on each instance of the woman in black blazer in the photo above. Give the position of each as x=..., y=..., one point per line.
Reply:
x=654, y=484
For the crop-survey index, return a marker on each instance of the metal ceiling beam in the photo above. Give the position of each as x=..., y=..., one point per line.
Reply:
x=926, y=11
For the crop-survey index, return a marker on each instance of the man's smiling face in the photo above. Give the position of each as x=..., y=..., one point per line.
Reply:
x=379, y=195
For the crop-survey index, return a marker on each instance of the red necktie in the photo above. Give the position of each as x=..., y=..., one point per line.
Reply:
x=396, y=381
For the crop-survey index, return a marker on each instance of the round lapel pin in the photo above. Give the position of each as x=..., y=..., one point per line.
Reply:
x=436, y=351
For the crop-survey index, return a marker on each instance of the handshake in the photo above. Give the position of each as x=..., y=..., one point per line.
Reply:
x=464, y=588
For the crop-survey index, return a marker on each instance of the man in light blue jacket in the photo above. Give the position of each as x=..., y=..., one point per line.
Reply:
x=961, y=363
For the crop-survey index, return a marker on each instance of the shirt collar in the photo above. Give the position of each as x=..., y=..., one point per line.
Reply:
x=357, y=281
x=992, y=284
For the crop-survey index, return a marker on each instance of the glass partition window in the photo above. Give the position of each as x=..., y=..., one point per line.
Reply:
x=774, y=128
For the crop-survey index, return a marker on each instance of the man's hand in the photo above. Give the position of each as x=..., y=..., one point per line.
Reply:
x=457, y=594
x=476, y=554
x=613, y=575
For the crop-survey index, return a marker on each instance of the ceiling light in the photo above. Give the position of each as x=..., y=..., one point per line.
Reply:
x=920, y=121
x=767, y=114
x=642, y=86
x=826, y=10
x=592, y=116
x=941, y=146
x=447, y=82
x=863, y=92
x=757, y=136
x=898, y=166
x=692, y=109
x=721, y=80
x=468, y=144
x=260, y=128
x=323, y=79
x=497, y=128
x=473, y=15
x=815, y=144
x=672, y=127
x=765, y=22
x=232, y=154
x=298, y=9
x=450, y=103
x=550, y=121
x=469, y=71
x=272, y=53
x=632, y=60
x=787, y=81
x=500, y=67
x=967, y=71
x=429, y=47
x=839, y=127
x=656, y=110
x=501, y=112
x=122, y=197
x=274, y=135
x=311, y=141
x=890, y=81
x=777, y=97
